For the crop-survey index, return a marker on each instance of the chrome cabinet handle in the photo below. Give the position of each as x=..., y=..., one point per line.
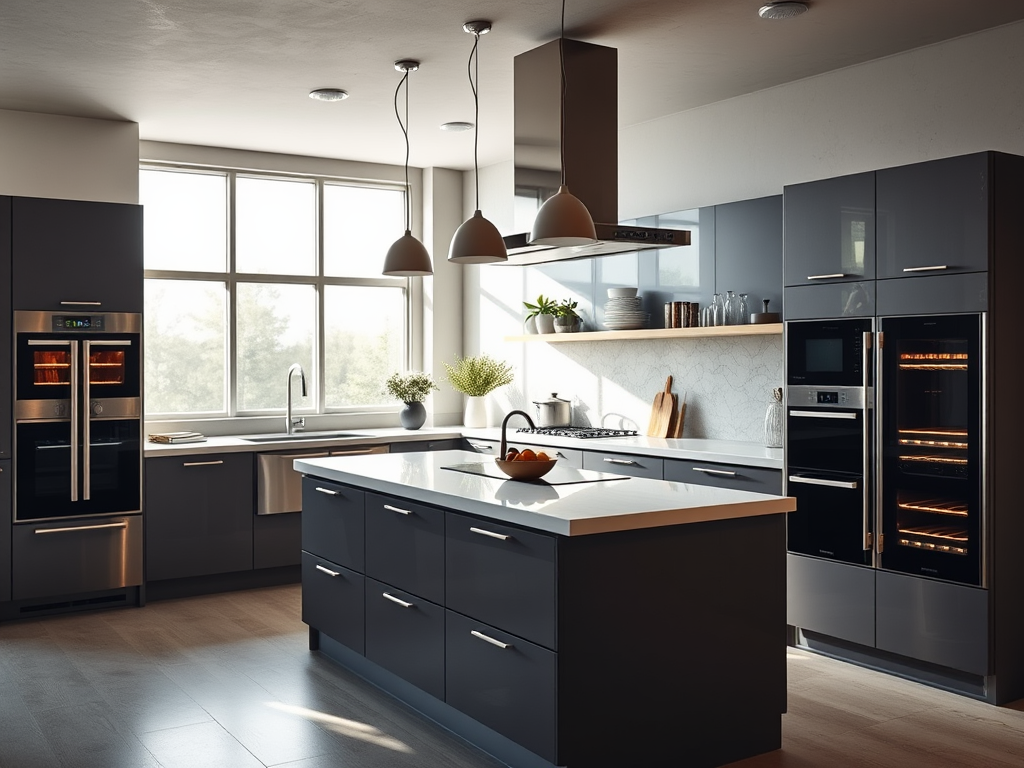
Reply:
x=328, y=571
x=481, y=446
x=823, y=415
x=121, y=524
x=490, y=640
x=926, y=269
x=626, y=462
x=328, y=491
x=81, y=303
x=866, y=440
x=202, y=463
x=492, y=534
x=396, y=601
x=723, y=472
x=826, y=277
x=399, y=511
x=851, y=485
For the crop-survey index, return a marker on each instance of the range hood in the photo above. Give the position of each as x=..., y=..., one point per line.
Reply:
x=591, y=149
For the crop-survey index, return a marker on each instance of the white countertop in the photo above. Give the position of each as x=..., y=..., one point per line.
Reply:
x=570, y=510
x=238, y=444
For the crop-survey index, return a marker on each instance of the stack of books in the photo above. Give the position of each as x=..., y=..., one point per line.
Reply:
x=177, y=437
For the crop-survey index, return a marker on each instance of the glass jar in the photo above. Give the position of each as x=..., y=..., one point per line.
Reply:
x=732, y=308
x=774, y=419
x=717, y=310
x=744, y=311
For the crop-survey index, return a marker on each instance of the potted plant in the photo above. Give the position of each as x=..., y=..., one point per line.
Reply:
x=411, y=389
x=541, y=315
x=475, y=377
x=566, y=318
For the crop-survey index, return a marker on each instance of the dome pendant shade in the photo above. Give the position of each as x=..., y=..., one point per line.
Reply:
x=477, y=241
x=563, y=220
x=407, y=257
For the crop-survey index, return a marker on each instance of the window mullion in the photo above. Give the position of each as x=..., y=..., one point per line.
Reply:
x=319, y=359
x=232, y=285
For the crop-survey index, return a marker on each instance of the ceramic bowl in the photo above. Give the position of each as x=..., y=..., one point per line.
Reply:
x=525, y=470
x=619, y=293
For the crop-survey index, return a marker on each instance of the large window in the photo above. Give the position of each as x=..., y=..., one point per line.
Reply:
x=247, y=274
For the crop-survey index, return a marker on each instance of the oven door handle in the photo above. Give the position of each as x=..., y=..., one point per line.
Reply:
x=823, y=414
x=74, y=419
x=806, y=480
x=86, y=419
x=865, y=367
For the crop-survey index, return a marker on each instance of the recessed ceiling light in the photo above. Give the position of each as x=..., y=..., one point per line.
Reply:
x=781, y=10
x=328, y=94
x=457, y=126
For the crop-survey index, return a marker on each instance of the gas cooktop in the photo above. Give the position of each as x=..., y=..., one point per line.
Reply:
x=585, y=432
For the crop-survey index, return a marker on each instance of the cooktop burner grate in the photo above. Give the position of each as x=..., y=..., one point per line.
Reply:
x=585, y=432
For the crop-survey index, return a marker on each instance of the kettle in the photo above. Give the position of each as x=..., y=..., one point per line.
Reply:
x=553, y=412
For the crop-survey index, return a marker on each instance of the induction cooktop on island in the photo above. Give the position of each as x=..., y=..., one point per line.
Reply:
x=557, y=476
x=584, y=432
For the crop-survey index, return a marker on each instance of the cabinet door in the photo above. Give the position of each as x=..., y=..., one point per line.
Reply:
x=5, y=531
x=830, y=230
x=199, y=512
x=6, y=361
x=276, y=540
x=332, y=600
x=77, y=256
x=933, y=218
x=332, y=522
x=405, y=635
x=405, y=545
x=748, y=251
x=621, y=464
x=740, y=478
x=503, y=682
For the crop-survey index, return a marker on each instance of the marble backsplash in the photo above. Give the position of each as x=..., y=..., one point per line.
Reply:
x=727, y=380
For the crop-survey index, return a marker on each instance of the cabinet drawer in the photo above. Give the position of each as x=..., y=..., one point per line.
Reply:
x=332, y=524
x=502, y=575
x=332, y=600
x=510, y=689
x=567, y=456
x=444, y=444
x=622, y=464
x=738, y=477
x=405, y=545
x=405, y=635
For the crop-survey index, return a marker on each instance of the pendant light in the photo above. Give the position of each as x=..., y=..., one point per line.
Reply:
x=563, y=219
x=477, y=241
x=407, y=257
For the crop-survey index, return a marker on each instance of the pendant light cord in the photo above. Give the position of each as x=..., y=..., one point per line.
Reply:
x=474, y=58
x=405, y=132
x=561, y=114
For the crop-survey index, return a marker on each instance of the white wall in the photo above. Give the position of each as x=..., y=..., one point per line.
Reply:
x=71, y=158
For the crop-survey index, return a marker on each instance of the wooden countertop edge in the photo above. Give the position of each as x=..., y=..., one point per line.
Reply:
x=662, y=518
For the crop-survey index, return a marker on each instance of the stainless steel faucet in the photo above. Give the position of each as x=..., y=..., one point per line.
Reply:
x=289, y=423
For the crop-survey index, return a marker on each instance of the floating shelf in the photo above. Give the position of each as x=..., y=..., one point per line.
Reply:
x=762, y=329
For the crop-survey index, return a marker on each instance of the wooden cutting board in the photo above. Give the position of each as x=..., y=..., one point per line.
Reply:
x=662, y=412
x=676, y=428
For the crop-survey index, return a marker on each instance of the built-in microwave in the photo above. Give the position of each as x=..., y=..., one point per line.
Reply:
x=828, y=353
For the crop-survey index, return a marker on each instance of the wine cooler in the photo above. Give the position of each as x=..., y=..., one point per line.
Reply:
x=929, y=464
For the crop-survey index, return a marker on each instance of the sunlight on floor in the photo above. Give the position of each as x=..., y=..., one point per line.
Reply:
x=350, y=728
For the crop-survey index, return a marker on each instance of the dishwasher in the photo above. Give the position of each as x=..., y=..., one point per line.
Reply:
x=279, y=486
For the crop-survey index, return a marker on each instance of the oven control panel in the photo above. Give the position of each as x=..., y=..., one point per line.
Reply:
x=63, y=323
x=832, y=397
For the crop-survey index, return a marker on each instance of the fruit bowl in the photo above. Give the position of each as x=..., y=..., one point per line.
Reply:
x=525, y=470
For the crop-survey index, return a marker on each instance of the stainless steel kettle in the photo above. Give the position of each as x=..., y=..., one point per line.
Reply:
x=554, y=412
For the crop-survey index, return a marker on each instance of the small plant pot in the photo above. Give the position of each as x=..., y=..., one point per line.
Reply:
x=413, y=415
x=530, y=326
x=567, y=324
x=545, y=323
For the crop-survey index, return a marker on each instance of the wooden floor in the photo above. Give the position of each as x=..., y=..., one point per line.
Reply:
x=227, y=682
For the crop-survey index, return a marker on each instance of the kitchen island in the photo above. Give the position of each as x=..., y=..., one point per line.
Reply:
x=586, y=620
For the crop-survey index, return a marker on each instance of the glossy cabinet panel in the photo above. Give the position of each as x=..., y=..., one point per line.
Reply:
x=933, y=218
x=76, y=251
x=333, y=522
x=199, y=515
x=405, y=635
x=6, y=359
x=748, y=251
x=934, y=295
x=405, y=545
x=5, y=531
x=623, y=464
x=831, y=598
x=276, y=540
x=755, y=479
x=822, y=302
x=829, y=231
x=333, y=600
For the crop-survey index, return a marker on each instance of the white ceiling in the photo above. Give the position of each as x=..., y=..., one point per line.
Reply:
x=235, y=73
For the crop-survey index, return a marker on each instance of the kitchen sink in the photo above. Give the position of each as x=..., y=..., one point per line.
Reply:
x=299, y=436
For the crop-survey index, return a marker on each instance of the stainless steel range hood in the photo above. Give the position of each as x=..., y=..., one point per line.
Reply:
x=591, y=149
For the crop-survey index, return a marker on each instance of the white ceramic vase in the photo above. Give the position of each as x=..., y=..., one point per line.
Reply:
x=530, y=326
x=476, y=412
x=545, y=323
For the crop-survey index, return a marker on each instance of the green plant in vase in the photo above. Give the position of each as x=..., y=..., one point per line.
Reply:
x=567, y=320
x=476, y=377
x=412, y=389
x=542, y=314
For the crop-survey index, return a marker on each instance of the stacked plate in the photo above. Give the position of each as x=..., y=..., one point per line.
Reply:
x=623, y=313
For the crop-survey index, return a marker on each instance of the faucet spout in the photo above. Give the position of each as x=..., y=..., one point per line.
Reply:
x=503, y=448
x=289, y=426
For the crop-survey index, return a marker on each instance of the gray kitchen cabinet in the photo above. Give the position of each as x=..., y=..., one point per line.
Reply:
x=199, y=515
x=333, y=599
x=933, y=217
x=831, y=598
x=6, y=353
x=405, y=545
x=276, y=540
x=933, y=295
x=735, y=476
x=815, y=302
x=748, y=250
x=76, y=256
x=333, y=522
x=414, y=446
x=829, y=231
x=624, y=464
x=6, y=519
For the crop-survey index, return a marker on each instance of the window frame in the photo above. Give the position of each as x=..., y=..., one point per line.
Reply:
x=411, y=288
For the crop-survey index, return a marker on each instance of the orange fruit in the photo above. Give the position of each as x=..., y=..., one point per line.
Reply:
x=527, y=455
x=541, y=456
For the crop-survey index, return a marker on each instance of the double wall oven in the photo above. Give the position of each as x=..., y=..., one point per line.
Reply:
x=883, y=443
x=77, y=453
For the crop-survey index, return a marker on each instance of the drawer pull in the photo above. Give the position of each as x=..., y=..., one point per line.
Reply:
x=396, y=601
x=925, y=269
x=121, y=524
x=490, y=640
x=202, y=463
x=850, y=485
x=627, y=462
x=823, y=414
x=492, y=534
x=399, y=511
x=328, y=491
x=484, y=447
x=328, y=571
x=81, y=303
x=826, y=277
x=722, y=472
